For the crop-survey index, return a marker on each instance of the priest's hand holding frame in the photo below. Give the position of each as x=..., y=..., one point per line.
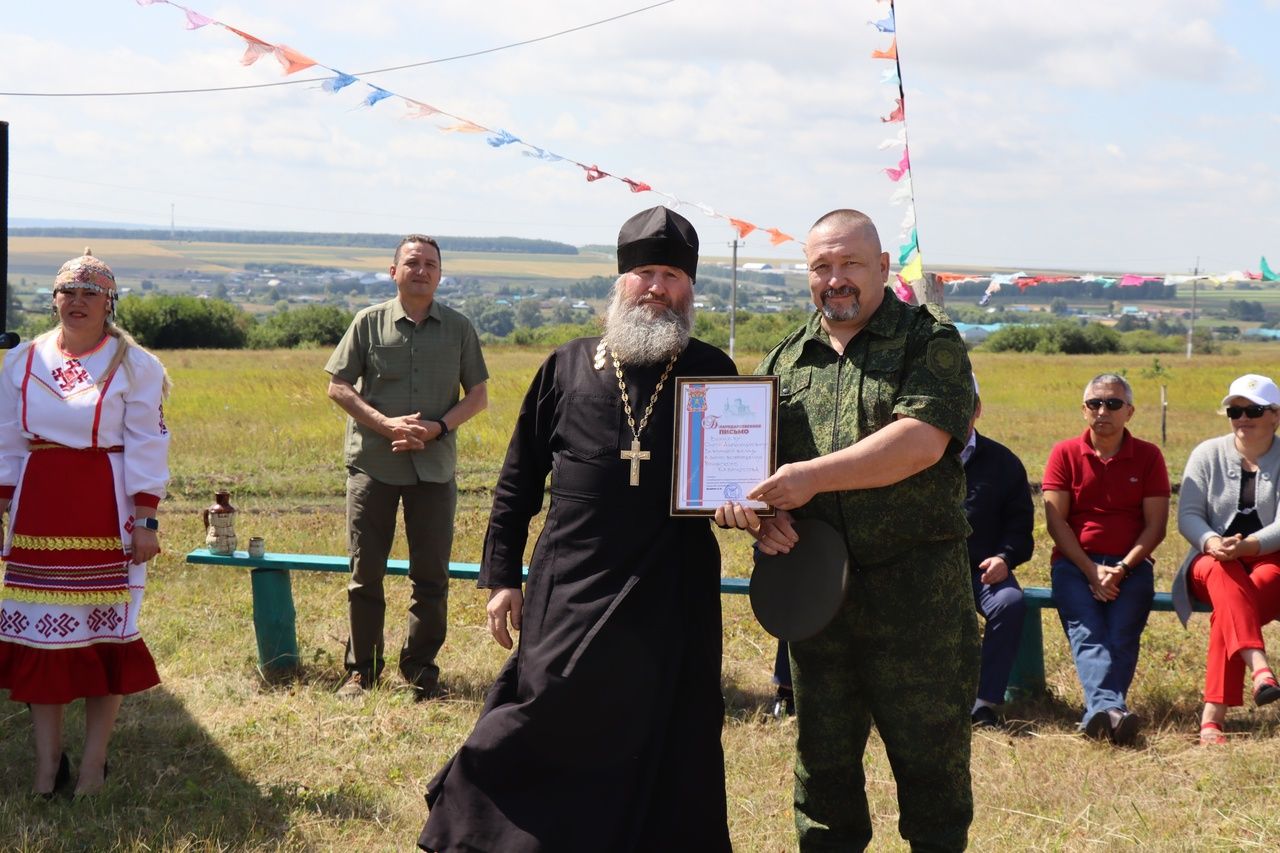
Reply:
x=504, y=603
x=775, y=534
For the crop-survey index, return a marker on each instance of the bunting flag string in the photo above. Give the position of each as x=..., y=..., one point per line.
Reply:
x=293, y=61
x=910, y=262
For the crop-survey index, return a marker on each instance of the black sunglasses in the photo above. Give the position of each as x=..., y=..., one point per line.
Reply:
x=1250, y=412
x=1113, y=404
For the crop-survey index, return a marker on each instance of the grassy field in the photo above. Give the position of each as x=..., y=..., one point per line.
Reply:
x=216, y=758
x=42, y=255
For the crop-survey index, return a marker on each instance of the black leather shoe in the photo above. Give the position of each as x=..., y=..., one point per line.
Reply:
x=985, y=718
x=426, y=694
x=1125, y=726
x=784, y=705
x=1098, y=726
x=62, y=780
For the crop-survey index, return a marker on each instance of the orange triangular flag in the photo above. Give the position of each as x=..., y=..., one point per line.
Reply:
x=744, y=228
x=254, y=48
x=465, y=127
x=417, y=109
x=776, y=237
x=291, y=60
x=891, y=53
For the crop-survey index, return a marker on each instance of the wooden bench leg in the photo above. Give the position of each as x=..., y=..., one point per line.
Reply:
x=1027, y=678
x=274, y=620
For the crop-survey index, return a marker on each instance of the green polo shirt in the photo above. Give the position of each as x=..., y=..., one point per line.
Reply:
x=400, y=368
x=905, y=361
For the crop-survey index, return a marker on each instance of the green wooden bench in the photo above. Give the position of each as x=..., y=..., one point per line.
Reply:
x=274, y=617
x=1027, y=678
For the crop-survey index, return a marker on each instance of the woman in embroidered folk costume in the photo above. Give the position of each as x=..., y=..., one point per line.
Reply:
x=83, y=466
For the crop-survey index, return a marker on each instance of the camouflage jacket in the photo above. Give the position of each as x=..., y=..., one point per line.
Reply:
x=905, y=361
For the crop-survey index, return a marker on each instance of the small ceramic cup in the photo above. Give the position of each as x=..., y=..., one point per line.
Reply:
x=257, y=546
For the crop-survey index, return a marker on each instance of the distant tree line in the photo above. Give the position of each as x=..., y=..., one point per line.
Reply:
x=1069, y=338
x=310, y=238
x=188, y=322
x=1146, y=292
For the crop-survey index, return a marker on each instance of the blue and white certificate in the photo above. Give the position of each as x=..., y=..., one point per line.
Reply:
x=726, y=441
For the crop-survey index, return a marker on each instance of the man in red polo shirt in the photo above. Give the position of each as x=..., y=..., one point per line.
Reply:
x=1106, y=503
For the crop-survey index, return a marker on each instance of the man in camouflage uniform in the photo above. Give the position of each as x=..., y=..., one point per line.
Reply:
x=874, y=407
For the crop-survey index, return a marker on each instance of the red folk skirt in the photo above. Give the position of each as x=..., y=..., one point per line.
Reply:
x=68, y=619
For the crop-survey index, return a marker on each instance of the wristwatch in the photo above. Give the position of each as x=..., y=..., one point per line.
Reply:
x=149, y=523
x=1123, y=565
x=444, y=429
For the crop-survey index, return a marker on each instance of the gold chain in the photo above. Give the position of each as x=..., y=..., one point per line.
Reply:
x=626, y=401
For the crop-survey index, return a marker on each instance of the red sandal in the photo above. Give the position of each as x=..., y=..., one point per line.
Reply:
x=1211, y=734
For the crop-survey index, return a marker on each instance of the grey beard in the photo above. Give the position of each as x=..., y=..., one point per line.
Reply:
x=844, y=316
x=638, y=336
x=837, y=316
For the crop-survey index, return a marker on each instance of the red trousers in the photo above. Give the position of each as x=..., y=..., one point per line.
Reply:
x=1245, y=595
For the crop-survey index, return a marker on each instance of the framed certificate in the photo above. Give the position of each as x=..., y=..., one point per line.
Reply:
x=726, y=440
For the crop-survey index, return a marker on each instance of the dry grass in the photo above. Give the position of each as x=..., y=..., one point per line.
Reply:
x=219, y=759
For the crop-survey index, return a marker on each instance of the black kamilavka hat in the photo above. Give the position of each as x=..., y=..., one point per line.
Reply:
x=658, y=235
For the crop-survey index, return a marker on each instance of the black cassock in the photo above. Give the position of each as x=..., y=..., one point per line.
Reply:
x=602, y=732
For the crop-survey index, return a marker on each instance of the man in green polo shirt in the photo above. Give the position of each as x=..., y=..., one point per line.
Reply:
x=875, y=401
x=397, y=373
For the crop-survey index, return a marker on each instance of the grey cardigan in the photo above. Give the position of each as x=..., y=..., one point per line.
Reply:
x=1208, y=499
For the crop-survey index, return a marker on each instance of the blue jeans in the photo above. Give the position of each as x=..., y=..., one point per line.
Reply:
x=1104, y=636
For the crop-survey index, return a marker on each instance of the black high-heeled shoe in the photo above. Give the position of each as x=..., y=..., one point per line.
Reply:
x=106, y=771
x=61, y=780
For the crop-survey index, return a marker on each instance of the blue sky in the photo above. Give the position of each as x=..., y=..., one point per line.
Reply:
x=1129, y=136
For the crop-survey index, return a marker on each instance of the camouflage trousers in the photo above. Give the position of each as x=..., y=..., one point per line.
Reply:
x=903, y=653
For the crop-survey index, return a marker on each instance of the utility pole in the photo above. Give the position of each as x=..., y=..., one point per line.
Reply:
x=1191, y=329
x=173, y=234
x=733, y=299
x=8, y=340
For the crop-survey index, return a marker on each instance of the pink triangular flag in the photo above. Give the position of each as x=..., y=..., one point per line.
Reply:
x=195, y=20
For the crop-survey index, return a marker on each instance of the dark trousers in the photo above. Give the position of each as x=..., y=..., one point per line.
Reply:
x=371, y=524
x=902, y=653
x=1004, y=610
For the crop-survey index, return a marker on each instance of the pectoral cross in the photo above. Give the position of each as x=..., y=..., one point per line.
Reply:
x=636, y=456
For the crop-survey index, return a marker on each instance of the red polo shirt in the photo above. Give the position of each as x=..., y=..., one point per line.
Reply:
x=1106, y=494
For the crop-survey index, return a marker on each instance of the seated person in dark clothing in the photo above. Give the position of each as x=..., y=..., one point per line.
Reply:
x=998, y=505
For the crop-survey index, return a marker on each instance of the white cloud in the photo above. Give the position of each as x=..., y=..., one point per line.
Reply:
x=1037, y=127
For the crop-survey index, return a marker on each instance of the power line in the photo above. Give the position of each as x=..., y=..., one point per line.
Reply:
x=321, y=79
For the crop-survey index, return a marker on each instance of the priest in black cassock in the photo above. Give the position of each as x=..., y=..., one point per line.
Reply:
x=602, y=732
